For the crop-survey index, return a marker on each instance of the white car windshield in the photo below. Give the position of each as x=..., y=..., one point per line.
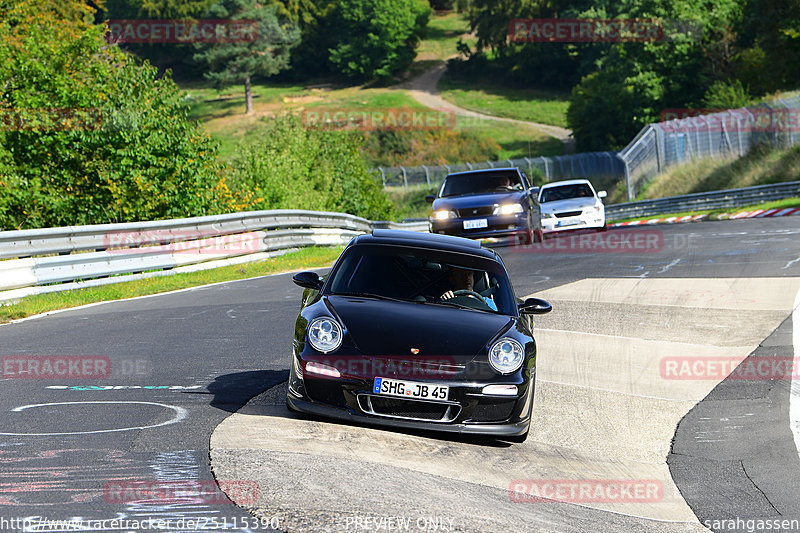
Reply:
x=566, y=192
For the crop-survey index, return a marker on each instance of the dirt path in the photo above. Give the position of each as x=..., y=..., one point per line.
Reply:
x=423, y=89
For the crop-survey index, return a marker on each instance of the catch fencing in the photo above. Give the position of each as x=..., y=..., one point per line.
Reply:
x=584, y=165
x=730, y=133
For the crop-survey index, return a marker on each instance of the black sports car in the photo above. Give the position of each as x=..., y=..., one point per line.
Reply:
x=418, y=331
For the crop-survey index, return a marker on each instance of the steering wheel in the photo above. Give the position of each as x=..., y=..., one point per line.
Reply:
x=467, y=292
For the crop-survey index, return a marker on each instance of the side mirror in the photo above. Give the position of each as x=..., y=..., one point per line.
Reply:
x=308, y=280
x=430, y=198
x=535, y=306
x=602, y=194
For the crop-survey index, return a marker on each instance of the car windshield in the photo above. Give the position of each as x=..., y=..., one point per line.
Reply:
x=419, y=275
x=481, y=182
x=565, y=192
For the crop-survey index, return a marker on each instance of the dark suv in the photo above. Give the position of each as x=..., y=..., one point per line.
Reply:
x=498, y=202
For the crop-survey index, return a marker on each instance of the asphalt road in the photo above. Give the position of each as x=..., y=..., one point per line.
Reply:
x=181, y=363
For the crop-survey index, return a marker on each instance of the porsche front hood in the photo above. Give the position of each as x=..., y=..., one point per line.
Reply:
x=388, y=328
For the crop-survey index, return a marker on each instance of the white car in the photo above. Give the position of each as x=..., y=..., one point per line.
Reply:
x=571, y=205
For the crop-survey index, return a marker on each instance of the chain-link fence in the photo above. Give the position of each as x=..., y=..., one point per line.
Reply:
x=587, y=165
x=729, y=133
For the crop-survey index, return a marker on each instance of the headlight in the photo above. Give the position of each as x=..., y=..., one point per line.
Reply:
x=508, y=209
x=443, y=214
x=506, y=355
x=325, y=334
x=548, y=215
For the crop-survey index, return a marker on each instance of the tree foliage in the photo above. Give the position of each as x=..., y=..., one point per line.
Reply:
x=724, y=53
x=294, y=168
x=91, y=136
x=375, y=38
x=237, y=62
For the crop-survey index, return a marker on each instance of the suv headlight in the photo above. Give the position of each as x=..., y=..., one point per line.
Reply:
x=508, y=209
x=325, y=334
x=548, y=215
x=506, y=355
x=443, y=214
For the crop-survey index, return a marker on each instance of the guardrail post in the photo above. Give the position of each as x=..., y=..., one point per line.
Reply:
x=490, y=164
x=405, y=178
x=469, y=166
x=427, y=176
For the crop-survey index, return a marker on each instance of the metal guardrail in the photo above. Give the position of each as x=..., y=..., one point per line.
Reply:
x=708, y=200
x=53, y=259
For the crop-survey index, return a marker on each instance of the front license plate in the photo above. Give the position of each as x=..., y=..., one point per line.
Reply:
x=410, y=389
x=475, y=224
x=569, y=221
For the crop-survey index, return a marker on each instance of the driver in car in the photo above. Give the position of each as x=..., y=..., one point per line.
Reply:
x=463, y=279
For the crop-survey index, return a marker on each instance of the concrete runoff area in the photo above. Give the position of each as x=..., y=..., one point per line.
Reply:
x=604, y=411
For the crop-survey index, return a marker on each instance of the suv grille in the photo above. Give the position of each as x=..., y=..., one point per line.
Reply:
x=475, y=211
x=408, y=409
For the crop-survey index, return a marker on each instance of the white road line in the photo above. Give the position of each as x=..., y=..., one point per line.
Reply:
x=790, y=263
x=794, y=395
x=672, y=264
x=180, y=414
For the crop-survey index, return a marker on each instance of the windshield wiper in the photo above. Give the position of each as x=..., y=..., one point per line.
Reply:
x=371, y=295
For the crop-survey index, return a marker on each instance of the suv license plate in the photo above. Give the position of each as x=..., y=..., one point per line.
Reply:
x=475, y=224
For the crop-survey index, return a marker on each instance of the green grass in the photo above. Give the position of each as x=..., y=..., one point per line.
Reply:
x=444, y=31
x=714, y=214
x=492, y=98
x=316, y=257
x=411, y=203
x=763, y=165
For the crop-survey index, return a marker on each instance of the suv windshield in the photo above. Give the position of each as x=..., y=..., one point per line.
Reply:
x=565, y=192
x=419, y=275
x=481, y=182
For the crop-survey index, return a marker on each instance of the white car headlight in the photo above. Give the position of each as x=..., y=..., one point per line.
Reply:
x=548, y=215
x=506, y=355
x=443, y=214
x=508, y=209
x=325, y=334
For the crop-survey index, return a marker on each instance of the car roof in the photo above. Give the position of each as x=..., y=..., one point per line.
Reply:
x=484, y=170
x=566, y=182
x=426, y=240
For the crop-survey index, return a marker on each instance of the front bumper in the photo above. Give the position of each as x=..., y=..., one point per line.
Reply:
x=467, y=409
x=511, y=429
x=588, y=220
x=496, y=226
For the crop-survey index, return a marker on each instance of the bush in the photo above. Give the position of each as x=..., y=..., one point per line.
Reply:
x=102, y=140
x=293, y=168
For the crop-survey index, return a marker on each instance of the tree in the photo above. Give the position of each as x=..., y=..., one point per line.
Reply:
x=294, y=168
x=376, y=38
x=91, y=136
x=237, y=62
